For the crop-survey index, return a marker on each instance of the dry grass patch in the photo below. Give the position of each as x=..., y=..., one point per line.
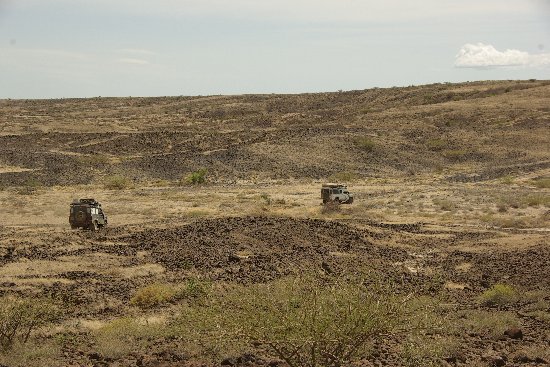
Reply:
x=34, y=353
x=488, y=323
x=117, y=182
x=153, y=295
x=121, y=336
x=542, y=182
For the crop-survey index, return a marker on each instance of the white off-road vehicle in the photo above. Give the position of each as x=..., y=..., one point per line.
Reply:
x=336, y=193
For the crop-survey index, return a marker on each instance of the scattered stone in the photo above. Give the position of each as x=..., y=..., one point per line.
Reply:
x=493, y=360
x=514, y=333
x=521, y=358
x=94, y=356
x=451, y=359
x=326, y=267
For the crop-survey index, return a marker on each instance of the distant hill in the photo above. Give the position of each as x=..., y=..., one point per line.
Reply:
x=466, y=132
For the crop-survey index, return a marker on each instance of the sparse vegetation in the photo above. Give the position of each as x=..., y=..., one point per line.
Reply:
x=153, y=295
x=117, y=182
x=489, y=323
x=193, y=289
x=93, y=160
x=454, y=154
x=444, y=204
x=436, y=144
x=197, y=177
x=449, y=196
x=266, y=198
x=300, y=321
x=345, y=176
x=29, y=187
x=365, y=143
x=331, y=207
x=542, y=182
x=499, y=295
x=537, y=200
x=124, y=335
x=19, y=317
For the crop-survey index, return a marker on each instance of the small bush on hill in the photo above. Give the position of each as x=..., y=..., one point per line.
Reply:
x=117, y=182
x=436, y=144
x=542, y=183
x=93, y=160
x=365, y=143
x=29, y=187
x=196, y=178
x=193, y=289
x=455, y=154
x=499, y=295
x=345, y=176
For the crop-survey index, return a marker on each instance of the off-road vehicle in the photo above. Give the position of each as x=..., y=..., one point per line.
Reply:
x=87, y=214
x=336, y=193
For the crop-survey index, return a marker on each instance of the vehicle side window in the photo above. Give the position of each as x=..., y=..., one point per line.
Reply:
x=335, y=191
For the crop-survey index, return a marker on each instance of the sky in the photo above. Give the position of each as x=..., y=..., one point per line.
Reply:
x=90, y=48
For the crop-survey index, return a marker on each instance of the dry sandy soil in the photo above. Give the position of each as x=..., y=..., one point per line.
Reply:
x=452, y=187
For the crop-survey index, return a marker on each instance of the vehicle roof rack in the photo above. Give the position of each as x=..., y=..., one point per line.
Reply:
x=333, y=185
x=90, y=201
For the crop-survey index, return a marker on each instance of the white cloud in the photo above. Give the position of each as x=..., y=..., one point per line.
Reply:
x=132, y=61
x=135, y=51
x=480, y=55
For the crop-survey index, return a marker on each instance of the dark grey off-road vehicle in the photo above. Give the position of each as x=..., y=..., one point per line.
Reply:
x=87, y=214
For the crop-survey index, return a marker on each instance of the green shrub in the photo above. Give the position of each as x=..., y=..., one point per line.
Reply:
x=499, y=295
x=444, y=204
x=20, y=317
x=542, y=182
x=29, y=187
x=266, y=198
x=302, y=321
x=153, y=295
x=94, y=160
x=436, y=144
x=537, y=200
x=193, y=289
x=344, y=177
x=365, y=143
x=117, y=182
x=455, y=154
x=196, y=178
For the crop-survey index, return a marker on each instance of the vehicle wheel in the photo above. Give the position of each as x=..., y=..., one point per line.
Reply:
x=94, y=227
x=74, y=227
x=350, y=201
